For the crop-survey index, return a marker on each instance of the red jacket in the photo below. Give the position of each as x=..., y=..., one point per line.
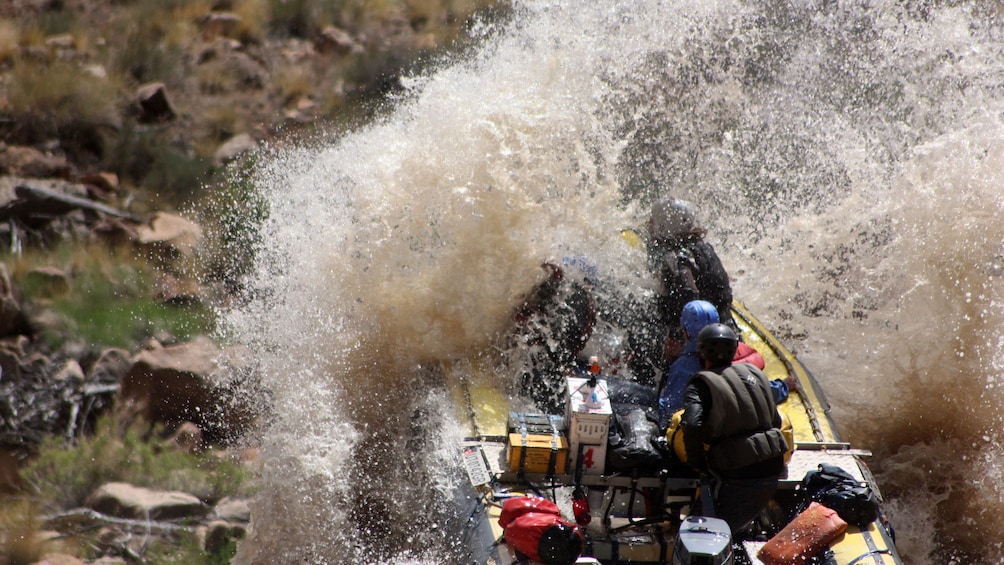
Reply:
x=746, y=354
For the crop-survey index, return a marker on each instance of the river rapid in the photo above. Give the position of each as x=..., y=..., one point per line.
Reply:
x=847, y=159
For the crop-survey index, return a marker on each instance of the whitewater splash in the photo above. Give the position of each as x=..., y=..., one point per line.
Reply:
x=847, y=159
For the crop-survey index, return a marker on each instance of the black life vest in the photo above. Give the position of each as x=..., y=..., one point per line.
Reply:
x=743, y=426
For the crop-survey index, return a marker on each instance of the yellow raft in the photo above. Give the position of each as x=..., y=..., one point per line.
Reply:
x=625, y=528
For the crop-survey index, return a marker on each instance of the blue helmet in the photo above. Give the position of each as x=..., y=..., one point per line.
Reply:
x=697, y=314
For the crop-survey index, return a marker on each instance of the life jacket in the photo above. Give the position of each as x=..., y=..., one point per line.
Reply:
x=674, y=436
x=534, y=527
x=739, y=429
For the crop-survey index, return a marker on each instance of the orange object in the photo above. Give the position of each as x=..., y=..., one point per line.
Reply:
x=746, y=354
x=804, y=537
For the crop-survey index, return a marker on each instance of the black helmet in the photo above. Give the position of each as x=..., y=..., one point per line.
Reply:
x=717, y=343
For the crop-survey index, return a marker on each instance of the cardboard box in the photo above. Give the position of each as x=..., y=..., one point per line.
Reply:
x=588, y=421
x=539, y=448
x=594, y=458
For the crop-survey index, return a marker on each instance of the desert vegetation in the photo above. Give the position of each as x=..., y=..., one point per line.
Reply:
x=143, y=107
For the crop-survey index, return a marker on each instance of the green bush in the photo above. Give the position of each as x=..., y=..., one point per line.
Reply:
x=233, y=213
x=186, y=550
x=110, y=301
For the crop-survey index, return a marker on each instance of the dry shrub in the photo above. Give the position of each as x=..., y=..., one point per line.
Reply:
x=20, y=543
x=295, y=83
x=61, y=100
x=220, y=121
x=254, y=15
x=10, y=35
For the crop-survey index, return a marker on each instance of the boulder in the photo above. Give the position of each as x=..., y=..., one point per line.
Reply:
x=114, y=231
x=30, y=162
x=188, y=438
x=334, y=40
x=220, y=533
x=233, y=148
x=48, y=281
x=168, y=237
x=123, y=500
x=219, y=24
x=178, y=291
x=11, y=459
x=190, y=382
x=100, y=186
x=12, y=318
x=232, y=510
x=111, y=365
x=70, y=371
x=152, y=103
x=13, y=350
x=58, y=559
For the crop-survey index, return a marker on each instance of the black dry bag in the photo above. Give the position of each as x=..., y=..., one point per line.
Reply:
x=838, y=490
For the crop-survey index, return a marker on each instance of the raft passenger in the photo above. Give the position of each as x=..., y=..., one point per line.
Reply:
x=696, y=315
x=730, y=408
x=687, y=268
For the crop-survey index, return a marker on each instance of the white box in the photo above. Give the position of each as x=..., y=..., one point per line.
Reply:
x=588, y=421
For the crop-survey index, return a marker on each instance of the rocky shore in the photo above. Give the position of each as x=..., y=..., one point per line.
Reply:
x=117, y=117
x=183, y=394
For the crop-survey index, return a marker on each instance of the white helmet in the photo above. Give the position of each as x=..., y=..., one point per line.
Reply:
x=672, y=218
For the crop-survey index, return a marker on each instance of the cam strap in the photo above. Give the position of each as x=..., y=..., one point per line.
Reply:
x=522, y=454
x=552, y=462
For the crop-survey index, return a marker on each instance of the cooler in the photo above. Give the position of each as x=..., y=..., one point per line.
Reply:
x=588, y=420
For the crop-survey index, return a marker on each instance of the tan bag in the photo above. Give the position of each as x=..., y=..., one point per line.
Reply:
x=804, y=537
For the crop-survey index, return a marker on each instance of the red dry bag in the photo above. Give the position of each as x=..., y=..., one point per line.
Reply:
x=516, y=507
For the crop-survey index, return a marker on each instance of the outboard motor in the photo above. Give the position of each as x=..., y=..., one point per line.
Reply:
x=703, y=541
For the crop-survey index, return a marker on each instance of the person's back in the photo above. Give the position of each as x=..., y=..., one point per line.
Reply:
x=731, y=409
x=687, y=266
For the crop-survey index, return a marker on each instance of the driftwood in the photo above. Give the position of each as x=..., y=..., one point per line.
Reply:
x=82, y=519
x=33, y=406
x=35, y=204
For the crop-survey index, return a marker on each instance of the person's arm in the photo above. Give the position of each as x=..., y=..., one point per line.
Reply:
x=780, y=390
x=696, y=399
x=713, y=281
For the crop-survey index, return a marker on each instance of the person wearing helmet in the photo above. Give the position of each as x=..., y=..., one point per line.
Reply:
x=687, y=265
x=551, y=327
x=696, y=314
x=731, y=429
x=687, y=268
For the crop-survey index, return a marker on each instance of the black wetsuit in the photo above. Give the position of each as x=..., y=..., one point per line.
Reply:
x=687, y=269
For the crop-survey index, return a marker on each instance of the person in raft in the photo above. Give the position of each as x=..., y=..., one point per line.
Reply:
x=687, y=268
x=697, y=314
x=730, y=409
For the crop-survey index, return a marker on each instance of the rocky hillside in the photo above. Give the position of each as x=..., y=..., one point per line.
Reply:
x=160, y=92
x=118, y=120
